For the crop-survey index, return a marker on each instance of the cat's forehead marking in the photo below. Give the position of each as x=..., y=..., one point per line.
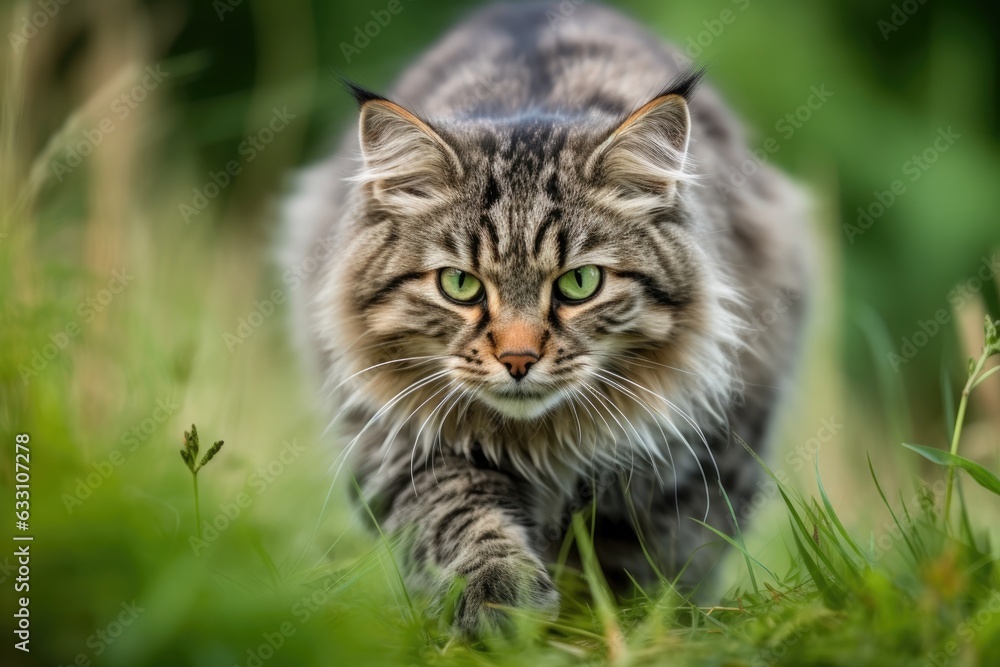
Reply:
x=519, y=188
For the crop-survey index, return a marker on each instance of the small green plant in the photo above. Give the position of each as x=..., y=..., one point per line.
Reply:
x=189, y=452
x=980, y=474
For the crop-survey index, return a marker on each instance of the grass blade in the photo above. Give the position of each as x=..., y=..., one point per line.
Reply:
x=739, y=538
x=885, y=501
x=736, y=545
x=833, y=516
x=599, y=590
x=983, y=477
x=388, y=546
x=834, y=598
x=948, y=400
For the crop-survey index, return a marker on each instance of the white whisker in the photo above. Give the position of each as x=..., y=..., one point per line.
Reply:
x=416, y=439
x=697, y=429
x=650, y=410
x=424, y=360
x=641, y=441
x=603, y=401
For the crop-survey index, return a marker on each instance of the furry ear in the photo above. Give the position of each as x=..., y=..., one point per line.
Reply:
x=647, y=153
x=406, y=161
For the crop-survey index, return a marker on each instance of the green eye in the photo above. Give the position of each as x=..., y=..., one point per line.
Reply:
x=460, y=286
x=579, y=284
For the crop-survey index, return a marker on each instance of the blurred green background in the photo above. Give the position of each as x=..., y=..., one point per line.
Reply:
x=120, y=223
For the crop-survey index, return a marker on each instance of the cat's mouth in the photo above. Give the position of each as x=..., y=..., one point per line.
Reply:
x=520, y=403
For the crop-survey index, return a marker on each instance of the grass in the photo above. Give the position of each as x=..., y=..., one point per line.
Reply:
x=257, y=572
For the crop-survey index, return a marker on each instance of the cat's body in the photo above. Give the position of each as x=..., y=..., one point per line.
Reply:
x=525, y=146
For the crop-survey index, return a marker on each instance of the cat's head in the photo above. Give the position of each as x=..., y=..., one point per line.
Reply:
x=525, y=264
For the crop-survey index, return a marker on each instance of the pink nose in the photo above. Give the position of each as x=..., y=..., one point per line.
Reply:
x=518, y=363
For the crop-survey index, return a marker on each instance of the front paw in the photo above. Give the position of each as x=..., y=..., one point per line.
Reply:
x=496, y=587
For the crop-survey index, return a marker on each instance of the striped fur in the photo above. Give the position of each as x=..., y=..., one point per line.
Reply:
x=576, y=151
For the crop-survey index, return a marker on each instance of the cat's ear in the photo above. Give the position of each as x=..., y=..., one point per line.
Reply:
x=407, y=163
x=647, y=154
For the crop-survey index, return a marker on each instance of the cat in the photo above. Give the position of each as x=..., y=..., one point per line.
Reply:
x=527, y=280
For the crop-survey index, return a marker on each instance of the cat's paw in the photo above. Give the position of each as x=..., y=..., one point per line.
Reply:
x=496, y=587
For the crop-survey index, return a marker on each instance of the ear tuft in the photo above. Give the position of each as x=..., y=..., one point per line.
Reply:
x=684, y=84
x=647, y=154
x=407, y=163
x=360, y=94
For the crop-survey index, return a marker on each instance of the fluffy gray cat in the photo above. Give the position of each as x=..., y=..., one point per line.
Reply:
x=528, y=283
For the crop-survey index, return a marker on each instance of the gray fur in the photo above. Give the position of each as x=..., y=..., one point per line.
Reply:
x=517, y=164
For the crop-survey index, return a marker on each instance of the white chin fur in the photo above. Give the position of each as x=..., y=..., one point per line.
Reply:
x=528, y=407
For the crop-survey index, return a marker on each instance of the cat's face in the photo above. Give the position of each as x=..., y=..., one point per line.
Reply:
x=520, y=265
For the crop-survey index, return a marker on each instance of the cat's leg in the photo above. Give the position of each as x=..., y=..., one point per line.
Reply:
x=464, y=521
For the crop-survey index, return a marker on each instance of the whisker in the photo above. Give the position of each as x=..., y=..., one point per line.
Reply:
x=690, y=421
x=572, y=393
x=627, y=356
x=670, y=454
x=650, y=410
x=568, y=393
x=437, y=437
x=385, y=408
x=399, y=427
x=425, y=359
x=631, y=450
x=598, y=412
x=639, y=437
x=416, y=439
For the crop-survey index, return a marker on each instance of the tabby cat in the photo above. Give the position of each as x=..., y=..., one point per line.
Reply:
x=528, y=280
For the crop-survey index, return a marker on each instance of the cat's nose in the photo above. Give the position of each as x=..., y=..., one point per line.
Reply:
x=518, y=362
